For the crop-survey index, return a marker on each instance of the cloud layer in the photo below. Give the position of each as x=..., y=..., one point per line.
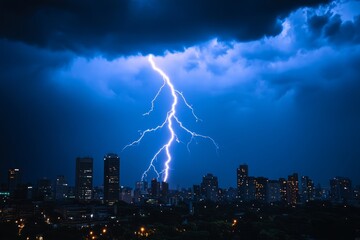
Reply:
x=130, y=26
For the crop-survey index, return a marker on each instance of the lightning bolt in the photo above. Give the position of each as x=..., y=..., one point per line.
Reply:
x=169, y=122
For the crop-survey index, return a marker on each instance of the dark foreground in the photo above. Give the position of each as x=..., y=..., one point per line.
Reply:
x=202, y=221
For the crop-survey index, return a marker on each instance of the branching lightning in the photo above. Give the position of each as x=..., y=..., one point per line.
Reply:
x=170, y=120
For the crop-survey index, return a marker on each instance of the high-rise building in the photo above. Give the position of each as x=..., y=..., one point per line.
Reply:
x=45, y=190
x=111, y=177
x=260, y=188
x=273, y=191
x=164, y=192
x=250, y=189
x=84, y=178
x=293, y=189
x=340, y=189
x=283, y=189
x=155, y=188
x=140, y=191
x=196, y=192
x=13, y=180
x=242, y=175
x=61, y=188
x=209, y=187
x=307, y=189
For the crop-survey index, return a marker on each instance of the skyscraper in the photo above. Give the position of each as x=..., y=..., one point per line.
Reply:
x=111, y=177
x=140, y=191
x=340, y=189
x=61, y=188
x=209, y=187
x=293, y=189
x=260, y=188
x=273, y=191
x=307, y=189
x=283, y=189
x=84, y=178
x=45, y=190
x=164, y=191
x=242, y=175
x=155, y=188
x=13, y=180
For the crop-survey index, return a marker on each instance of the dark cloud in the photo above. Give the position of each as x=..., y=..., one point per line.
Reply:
x=118, y=27
x=332, y=28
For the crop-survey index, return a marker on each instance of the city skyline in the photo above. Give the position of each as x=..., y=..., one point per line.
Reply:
x=275, y=86
x=84, y=173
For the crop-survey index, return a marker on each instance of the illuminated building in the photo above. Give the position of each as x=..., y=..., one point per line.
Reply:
x=260, y=188
x=13, y=180
x=111, y=178
x=307, y=189
x=242, y=175
x=283, y=189
x=140, y=191
x=84, y=178
x=246, y=185
x=209, y=187
x=61, y=188
x=45, y=189
x=293, y=189
x=273, y=191
x=155, y=188
x=340, y=189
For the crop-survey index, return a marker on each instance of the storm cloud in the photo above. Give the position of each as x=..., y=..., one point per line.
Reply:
x=130, y=26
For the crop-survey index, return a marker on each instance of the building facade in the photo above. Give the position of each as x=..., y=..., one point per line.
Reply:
x=84, y=178
x=13, y=180
x=209, y=187
x=340, y=189
x=111, y=178
x=292, y=189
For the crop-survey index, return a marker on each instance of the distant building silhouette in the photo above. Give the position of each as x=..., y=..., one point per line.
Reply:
x=196, y=192
x=283, y=189
x=84, y=178
x=260, y=188
x=61, y=188
x=155, y=188
x=307, y=189
x=209, y=187
x=98, y=193
x=293, y=189
x=125, y=194
x=14, y=180
x=44, y=189
x=340, y=189
x=140, y=191
x=242, y=175
x=273, y=191
x=164, y=191
x=111, y=178
x=357, y=192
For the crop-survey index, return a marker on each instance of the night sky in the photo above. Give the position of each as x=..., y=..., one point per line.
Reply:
x=277, y=86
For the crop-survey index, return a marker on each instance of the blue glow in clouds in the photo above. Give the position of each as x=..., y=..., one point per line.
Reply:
x=170, y=119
